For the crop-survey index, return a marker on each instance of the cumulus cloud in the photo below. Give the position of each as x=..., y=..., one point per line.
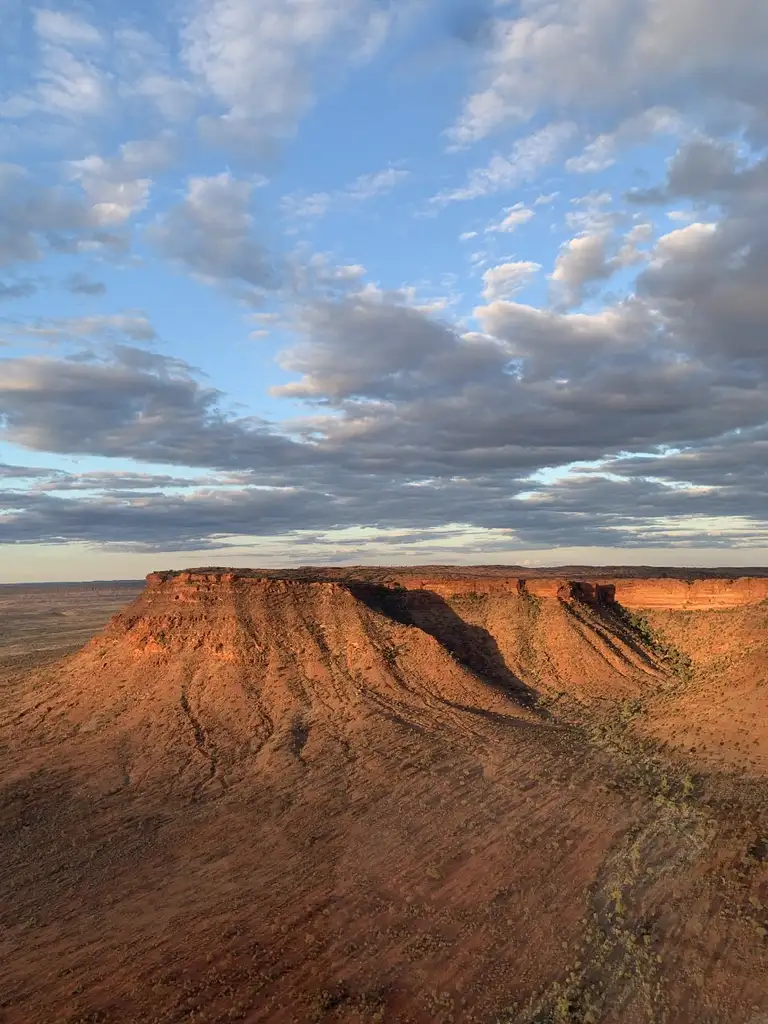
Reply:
x=413, y=419
x=603, y=151
x=416, y=422
x=128, y=403
x=511, y=219
x=117, y=187
x=35, y=219
x=587, y=260
x=212, y=233
x=505, y=280
x=629, y=53
x=707, y=278
x=257, y=62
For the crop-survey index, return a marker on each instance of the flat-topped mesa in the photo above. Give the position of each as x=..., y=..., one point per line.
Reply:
x=257, y=657
x=684, y=593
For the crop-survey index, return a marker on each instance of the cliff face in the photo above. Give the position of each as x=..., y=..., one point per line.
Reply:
x=685, y=593
x=667, y=594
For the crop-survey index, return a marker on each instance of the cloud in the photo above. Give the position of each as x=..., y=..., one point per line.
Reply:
x=397, y=341
x=709, y=170
x=81, y=284
x=507, y=279
x=413, y=424
x=111, y=327
x=108, y=481
x=368, y=186
x=20, y=289
x=35, y=219
x=117, y=187
x=512, y=218
x=9, y=472
x=707, y=278
x=307, y=206
x=528, y=157
x=586, y=260
x=149, y=76
x=67, y=83
x=313, y=205
x=403, y=415
x=59, y=27
x=127, y=402
x=603, y=151
x=629, y=53
x=212, y=233
x=257, y=63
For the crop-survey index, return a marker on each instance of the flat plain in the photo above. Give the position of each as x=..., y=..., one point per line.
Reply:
x=43, y=621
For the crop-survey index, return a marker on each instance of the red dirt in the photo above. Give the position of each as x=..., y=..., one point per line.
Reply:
x=372, y=794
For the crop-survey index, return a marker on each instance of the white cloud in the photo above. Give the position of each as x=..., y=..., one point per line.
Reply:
x=617, y=54
x=65, y=29
x=587, y=259
x=257, y=61
x=599, y=155
x=528, y=157
x=67, y=86
x=367, y=186
x=117, y=187
x=603, y=151
x=681, y=216
x=66, y=83
x=314, y=205
x=174, y=98
x=513, y=218
x=593, y=213
x=507, y=279
x=133, y=325
x=310, y=206
x=683, y=243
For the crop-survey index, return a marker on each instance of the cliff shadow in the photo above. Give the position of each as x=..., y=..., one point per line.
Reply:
x=472, y=646
x=618, y=622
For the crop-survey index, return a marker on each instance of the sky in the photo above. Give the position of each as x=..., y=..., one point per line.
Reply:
x=382, y=281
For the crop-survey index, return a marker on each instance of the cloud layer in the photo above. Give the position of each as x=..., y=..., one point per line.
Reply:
x=603, y=383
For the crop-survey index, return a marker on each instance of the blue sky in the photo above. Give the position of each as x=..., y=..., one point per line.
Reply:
x=293, y=281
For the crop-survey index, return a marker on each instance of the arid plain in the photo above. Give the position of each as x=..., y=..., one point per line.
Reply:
x=422, y=795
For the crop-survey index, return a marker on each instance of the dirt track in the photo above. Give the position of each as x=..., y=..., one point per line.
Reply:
x=361, y=796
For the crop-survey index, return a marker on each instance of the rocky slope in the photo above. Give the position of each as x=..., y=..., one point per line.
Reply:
x=394, y=795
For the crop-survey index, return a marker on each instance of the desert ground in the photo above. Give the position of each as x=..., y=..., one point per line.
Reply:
x=486, y=795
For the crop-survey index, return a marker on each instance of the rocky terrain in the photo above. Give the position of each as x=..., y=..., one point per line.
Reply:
x=427, y=794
